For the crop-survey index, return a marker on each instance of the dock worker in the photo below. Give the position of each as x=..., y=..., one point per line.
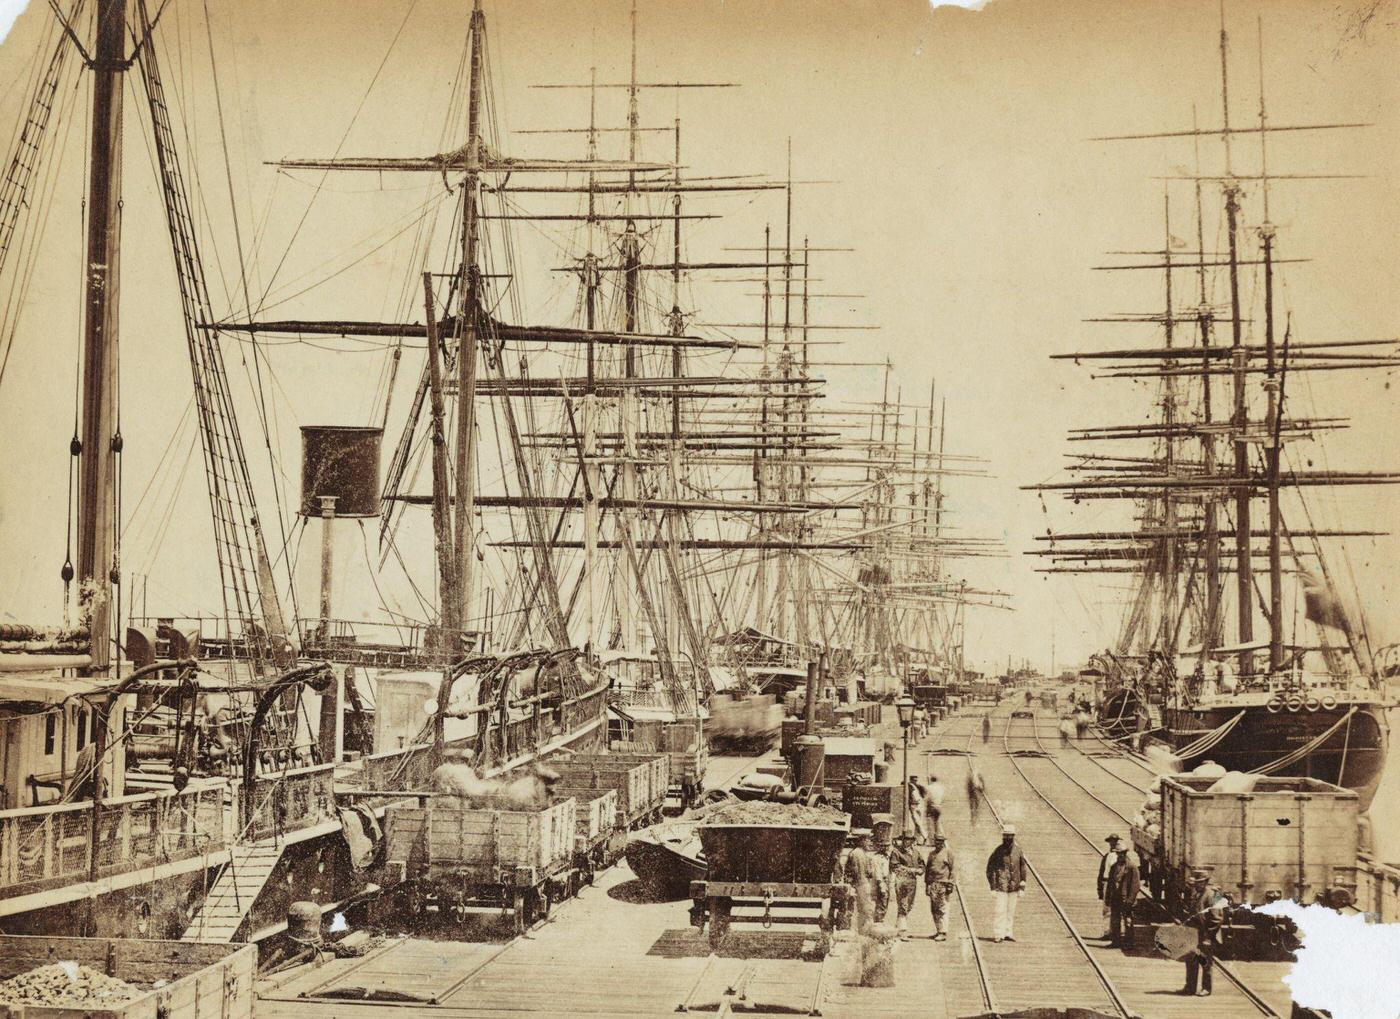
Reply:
x=1006, y=876
x=882, y=827
x=986, y=726
x=974, y=790
x=938, y=883
x=914, y=804
x=905, y=865
x=1207, y=904
x=933, y=805
x=1105, y=863
x=1120, y=893
x=868, y=874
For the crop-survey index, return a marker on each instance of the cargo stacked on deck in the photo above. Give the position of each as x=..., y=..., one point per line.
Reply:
x=863, y=801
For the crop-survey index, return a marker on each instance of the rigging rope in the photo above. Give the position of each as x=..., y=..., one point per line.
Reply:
x=1209, y=740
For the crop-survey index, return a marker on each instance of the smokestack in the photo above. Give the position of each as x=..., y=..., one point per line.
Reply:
x=810, y=711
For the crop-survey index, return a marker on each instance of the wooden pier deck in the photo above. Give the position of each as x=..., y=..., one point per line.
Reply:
x=610, y=953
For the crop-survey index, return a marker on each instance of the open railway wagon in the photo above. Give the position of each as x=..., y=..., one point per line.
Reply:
x=930, y=696
x=983, y=693
x=687, y=751
x=599, y=834
x=1288, y=838
x=641, y=780
x=773, y=871
x=457, y=859
x=124, y=978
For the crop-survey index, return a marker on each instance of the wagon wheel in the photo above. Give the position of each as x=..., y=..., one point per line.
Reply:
x=719, y=921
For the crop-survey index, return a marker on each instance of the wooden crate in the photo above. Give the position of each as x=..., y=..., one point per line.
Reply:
x=204, y=981
x=479, y=842
x=1295, y=836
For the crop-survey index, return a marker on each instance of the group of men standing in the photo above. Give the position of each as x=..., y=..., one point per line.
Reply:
x=1119, y=884
x=881, y=864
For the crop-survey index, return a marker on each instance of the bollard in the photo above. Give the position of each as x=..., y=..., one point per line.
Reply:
x=304, y=922
x=877, y=956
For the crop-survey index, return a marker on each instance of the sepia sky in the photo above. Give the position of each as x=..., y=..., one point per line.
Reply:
x=952, y=154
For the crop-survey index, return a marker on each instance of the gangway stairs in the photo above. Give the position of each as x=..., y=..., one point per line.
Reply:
x=231, y=898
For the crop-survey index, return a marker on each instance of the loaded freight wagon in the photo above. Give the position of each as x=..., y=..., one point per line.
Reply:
x=685, y=746
x=641, y=780
x=456, y=859
x=1286, y=838
x=769, y=863
x=124, y=978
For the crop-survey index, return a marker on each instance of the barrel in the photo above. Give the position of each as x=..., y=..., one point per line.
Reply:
x=340, y=461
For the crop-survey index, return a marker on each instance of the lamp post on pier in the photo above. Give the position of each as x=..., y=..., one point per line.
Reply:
x=905, y=707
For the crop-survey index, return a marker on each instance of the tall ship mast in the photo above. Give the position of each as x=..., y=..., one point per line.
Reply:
x=1236, y=645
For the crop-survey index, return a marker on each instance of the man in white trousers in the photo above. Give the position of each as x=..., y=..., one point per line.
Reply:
x=1006, y=876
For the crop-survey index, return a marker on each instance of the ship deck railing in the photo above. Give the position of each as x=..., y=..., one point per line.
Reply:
x=45, y=847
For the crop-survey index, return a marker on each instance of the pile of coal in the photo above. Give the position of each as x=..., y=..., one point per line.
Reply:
x=770, y=813
x=66, y=984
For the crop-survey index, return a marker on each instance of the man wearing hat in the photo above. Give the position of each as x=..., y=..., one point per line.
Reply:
x=1207, y=916
x=1120, y=894
x=933, y=804
x=938, y=882
x=1006, y=875
x=868, y=874
x=882, y=826
x=914, y=805
x=1104, y=864
x=905, y=864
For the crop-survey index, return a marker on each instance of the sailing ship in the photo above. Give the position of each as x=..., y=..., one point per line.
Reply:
x=607, y=496
x=1304, y=700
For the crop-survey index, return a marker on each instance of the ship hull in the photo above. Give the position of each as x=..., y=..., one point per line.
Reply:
x=1352, y=757
x=1118, y=714
x=666, y=859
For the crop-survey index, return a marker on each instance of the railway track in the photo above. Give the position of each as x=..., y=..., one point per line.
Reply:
x=1049, y=964
x=1248, y=993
